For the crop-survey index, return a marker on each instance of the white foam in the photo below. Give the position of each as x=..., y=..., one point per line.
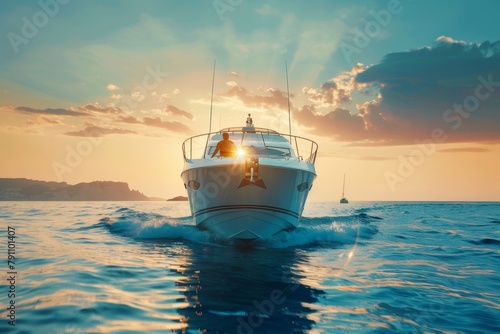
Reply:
x=157, y=227
x=334, y=233
x=323, y=230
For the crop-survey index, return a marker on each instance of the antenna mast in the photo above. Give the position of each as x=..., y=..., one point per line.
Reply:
x=212, y=99
x=343, y=188
x=288, y=94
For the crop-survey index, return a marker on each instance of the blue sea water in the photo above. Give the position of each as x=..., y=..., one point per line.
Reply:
x=141, y=267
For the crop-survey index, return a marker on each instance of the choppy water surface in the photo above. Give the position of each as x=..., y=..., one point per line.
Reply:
x=143, y=268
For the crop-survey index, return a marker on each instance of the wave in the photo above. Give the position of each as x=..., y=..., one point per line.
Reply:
x=326, y=231
x=141, y=225
x=486, y=241
x=316, y=231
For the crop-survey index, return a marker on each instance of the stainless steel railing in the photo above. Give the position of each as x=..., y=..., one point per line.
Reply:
x=196, y=147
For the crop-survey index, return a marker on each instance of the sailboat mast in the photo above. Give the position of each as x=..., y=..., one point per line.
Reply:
x=211, y=105
x=343, y=188
x=288, y=94
x=212, y=99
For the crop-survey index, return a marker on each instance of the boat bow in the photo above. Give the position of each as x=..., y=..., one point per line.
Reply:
x=254, y=194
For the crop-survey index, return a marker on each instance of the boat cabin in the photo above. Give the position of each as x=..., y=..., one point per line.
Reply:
x=253, y=142
x=257, y=142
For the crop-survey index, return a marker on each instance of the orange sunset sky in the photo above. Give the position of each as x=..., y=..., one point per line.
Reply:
x=400, y=97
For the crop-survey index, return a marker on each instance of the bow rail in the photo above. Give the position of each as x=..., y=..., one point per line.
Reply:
x=259, y=142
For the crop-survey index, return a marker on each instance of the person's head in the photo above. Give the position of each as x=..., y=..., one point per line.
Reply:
x=225, y=135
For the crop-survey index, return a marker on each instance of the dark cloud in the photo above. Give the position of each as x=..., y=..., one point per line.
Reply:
x=86, y=110
x=451, y=85
x=96, y=131
x=168, y=125
x=338, y=123
x=436, y=87
x=176, y=111
x=91, y=130
x=51, y=111
x=464, y=149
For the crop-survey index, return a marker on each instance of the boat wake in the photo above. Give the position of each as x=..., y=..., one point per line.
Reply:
x=141, y=225
x=329, y=231
x=325, y=232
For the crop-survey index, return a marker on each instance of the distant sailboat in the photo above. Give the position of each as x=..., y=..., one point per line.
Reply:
x=343, y=200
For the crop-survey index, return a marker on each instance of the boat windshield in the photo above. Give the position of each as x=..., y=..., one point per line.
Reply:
x=257, y=142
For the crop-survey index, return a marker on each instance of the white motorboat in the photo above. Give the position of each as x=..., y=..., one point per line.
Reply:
x=254, y=194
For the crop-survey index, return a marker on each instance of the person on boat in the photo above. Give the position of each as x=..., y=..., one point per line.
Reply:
x=249, y=121
x=225, y=147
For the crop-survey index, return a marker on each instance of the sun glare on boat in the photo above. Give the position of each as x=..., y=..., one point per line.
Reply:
x=241, y=152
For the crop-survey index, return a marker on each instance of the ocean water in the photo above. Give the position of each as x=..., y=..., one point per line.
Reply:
x=141, y=267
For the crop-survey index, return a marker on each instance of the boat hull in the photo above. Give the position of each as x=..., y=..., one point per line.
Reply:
x=225, y=201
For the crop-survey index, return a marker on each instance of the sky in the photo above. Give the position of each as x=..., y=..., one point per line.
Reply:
x=403, y=97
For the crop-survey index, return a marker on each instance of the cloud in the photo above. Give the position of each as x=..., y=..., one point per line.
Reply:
x=464, y=149
x=110, y=87
x=129, y=120
x=43, y=120
x=337, y=90
x=233, y=74
x=85, y=110
x=158, y=122
x=96, y=131
x=164, y=97
x=449, y=40
x=451, y=85
x=50, y=120
x=176, y=111
x=275, y=98
x=328, y=94
x=339, y=123
x=137, y=96
x=168, y=125
x=97, y=108
x=49, y=111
